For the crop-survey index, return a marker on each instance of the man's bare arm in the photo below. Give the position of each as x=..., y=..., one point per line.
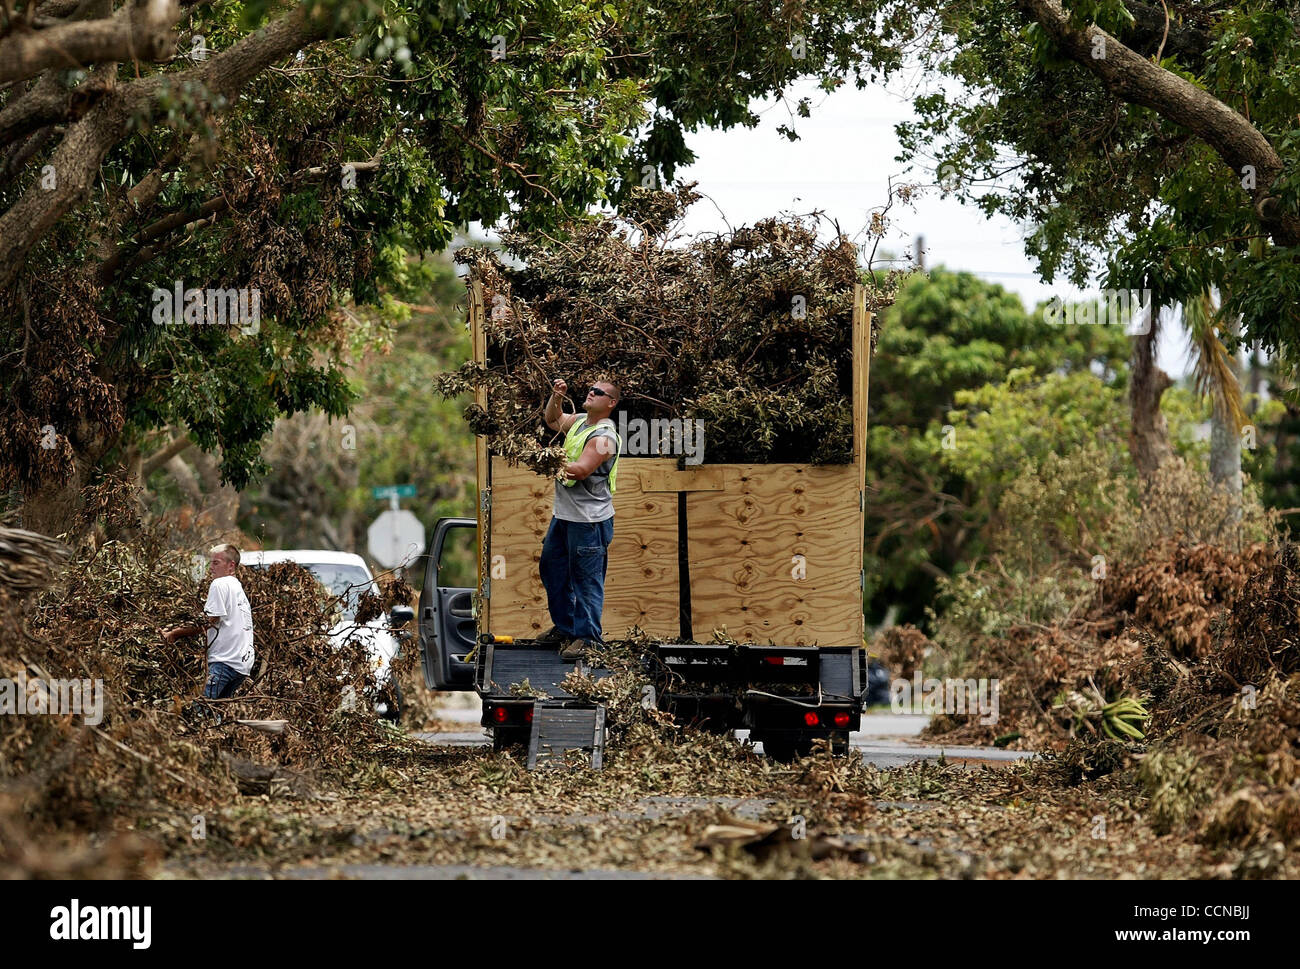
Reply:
x=189, y=629
x=598, y=449
x=554, y=416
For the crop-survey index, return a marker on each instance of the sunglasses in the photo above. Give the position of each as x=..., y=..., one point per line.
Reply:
x=600, y=393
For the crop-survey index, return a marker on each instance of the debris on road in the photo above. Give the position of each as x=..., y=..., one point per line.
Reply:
x=158, y=743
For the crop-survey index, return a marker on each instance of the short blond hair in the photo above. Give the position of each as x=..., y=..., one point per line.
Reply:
x=226, y=551
x=618, y=391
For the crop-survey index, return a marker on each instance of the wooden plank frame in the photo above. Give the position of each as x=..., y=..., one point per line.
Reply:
x=863, y=320
x=642, y=586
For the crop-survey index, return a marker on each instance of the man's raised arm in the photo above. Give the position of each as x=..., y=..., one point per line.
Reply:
x=554, y=416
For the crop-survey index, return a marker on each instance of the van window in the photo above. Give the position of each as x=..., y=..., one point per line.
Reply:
x=344, y=581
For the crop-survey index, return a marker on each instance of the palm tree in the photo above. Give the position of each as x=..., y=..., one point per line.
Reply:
x=1215, y=376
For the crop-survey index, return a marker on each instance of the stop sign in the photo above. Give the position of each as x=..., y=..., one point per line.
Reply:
x=395, y=538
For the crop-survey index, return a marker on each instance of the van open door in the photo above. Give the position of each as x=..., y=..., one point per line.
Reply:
x=448, y=629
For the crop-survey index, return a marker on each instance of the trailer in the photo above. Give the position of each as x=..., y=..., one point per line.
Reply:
x=749, y=576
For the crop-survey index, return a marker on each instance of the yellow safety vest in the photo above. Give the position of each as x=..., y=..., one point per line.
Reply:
x=576, y=440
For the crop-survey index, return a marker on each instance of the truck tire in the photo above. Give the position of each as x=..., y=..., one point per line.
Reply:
x=840, y=743
x=781, y=751
x=786, y=749
x=719, y=728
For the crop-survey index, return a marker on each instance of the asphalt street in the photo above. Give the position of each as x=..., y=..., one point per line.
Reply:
x=885, y=740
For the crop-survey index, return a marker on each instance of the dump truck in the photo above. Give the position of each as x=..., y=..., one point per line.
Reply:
x=748, y=577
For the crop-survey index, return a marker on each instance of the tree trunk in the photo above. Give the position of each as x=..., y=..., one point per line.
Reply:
x=1225, y=459
x=186, y=480
x=223, y=500
x=55, y=508
x=1225, y=436
x=1148, y=439
x=1255, y=378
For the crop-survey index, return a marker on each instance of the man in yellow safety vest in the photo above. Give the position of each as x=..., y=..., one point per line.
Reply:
x=575, y=550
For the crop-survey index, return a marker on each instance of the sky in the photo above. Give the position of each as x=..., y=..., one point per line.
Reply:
x=842, y=164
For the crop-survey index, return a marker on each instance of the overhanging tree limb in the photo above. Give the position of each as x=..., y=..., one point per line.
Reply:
x=75, y=164
x=141, y=30
x=164, y=454
x=46, y=103
x=20, y=153
x=77, y=159
x=191, y=216
x=1135, y=79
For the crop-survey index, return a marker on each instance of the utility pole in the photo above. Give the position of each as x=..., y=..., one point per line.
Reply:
x=918, y=252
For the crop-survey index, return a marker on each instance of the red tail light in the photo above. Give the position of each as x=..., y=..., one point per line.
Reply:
x=842, y=718
x=811, y=718
x=528, y=715
x=774, y=660
x=499, y=714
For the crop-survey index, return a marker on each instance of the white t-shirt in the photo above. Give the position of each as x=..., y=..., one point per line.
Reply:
x=231, y=641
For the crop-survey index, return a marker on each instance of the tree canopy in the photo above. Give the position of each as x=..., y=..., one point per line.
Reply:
x=1151, y=143
x=300, y=152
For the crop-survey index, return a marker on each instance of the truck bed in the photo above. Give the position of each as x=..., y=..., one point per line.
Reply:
x=502, y=665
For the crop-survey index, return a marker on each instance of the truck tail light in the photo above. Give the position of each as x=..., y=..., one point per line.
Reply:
x=811, y=718
x=774, y=660
x=499, y=714
x=842, y=718
x=528, y=714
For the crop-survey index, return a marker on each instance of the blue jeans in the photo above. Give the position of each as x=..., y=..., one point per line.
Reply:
x=574, y=559
x=223, y=680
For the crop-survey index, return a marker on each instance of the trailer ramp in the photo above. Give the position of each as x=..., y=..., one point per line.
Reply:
x=560, y=728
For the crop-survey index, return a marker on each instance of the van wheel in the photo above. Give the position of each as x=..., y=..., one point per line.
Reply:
x=391, y=697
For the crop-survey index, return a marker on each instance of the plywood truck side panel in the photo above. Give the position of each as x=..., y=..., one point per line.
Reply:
x=482, y=482
x=641, y=585
x=778, y=555
x=862, y=321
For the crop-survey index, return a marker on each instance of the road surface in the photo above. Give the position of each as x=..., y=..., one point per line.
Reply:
x=885, y=740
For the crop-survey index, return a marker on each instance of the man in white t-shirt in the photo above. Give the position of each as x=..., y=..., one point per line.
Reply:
x=229, y=626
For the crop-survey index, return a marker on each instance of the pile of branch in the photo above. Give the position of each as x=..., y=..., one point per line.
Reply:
x=27, y=560
x=1208, y=640
x=748, y=332
x=1178, y=589
x=158, y=750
